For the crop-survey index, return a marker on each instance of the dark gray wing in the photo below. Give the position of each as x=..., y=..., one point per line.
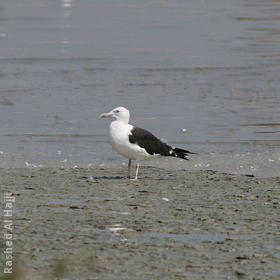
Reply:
x=153, y=145
x=149, y=142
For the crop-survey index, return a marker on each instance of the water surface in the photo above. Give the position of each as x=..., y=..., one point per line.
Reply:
x=204, y=77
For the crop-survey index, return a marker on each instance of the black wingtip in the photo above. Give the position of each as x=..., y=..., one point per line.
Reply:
x=179, y=153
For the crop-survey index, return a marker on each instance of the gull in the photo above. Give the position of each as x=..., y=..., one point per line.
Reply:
x=136, y=143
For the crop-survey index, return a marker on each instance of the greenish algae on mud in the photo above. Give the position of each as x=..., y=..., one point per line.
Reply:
x=95, y=224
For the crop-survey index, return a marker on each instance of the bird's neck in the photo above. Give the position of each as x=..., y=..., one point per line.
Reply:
x=119, y=124
x=121, y=121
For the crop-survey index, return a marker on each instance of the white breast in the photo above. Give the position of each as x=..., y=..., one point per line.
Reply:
x=119, y=132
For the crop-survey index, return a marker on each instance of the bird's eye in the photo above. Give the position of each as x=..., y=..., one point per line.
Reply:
x=116, y=111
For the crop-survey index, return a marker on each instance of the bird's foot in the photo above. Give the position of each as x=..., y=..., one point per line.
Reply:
x=133, y=179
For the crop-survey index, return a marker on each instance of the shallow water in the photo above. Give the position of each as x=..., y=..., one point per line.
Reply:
x=203, y=77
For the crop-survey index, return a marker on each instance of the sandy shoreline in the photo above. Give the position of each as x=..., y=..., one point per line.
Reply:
x=95, y=224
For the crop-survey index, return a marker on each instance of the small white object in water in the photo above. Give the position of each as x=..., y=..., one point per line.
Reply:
x=116, y=228
x=65, y=41
x=125, y=213
x=33, y=165
x=183, y=130
x=253, y=168
x=67, y=3
x=58, y=152
x=124, y=239
x=117, y=225
x=165, y=199
x=271, y=160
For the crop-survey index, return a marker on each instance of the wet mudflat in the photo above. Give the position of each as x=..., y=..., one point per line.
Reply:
x=96, y=224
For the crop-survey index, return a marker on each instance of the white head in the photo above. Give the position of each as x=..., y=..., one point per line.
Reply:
x=119, y=113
